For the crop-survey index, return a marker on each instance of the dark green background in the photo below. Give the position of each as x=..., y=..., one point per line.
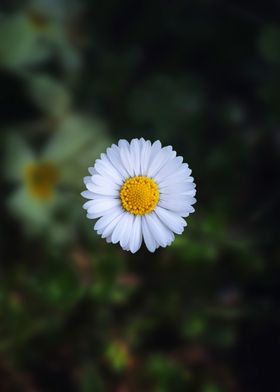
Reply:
x=202, y=315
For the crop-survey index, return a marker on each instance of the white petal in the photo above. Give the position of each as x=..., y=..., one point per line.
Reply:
x=173, y=221
x=114, y=156
x=88, y=195
x=104, y=181
x=87, y=204
x=175, y=179
x=101, y=205
x=145, y=157
x=160, y=159
x=170, y=167
x=142, y=142
x=185, y=213
x=92, y=170
x=183, y=170
x=126, y=156
x=110, y=227
x=105, y=168
x=127, y=231
x=103, y=190
x=150, y=154
x=191, y=200
x=87, y=179
x=123, y=143
x=136, y=235
x=106, y=219
x=117, y=232
x=175, y=205
x=180, y=188
x=156, y=147
x=190, y=193
x=93, y=215
x=178, y=197
x=135, y=154
x=150, y=242
x=120, y=229
x=159, y=231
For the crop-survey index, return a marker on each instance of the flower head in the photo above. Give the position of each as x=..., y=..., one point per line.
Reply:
x=139, y=191
x=45, y=187
x=41, y=179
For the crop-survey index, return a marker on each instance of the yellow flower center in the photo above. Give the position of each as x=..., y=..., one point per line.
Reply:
x=38, y=20
x=41, y=179
x=139, y=195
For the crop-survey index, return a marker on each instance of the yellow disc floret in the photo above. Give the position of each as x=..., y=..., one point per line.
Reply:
x=139, y=195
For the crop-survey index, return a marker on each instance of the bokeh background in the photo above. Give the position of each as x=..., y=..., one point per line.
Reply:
x=78, y=314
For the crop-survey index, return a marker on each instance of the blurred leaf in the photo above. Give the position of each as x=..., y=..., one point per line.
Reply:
x=18, y=155
x=269, y=43
x=49, y=94
x=20, y=43
x=211, y=387
x=194, y=327
x=118, y=355
x=90, y=379
x=167, y=375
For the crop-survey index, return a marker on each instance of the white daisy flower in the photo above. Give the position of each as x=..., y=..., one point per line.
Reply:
x=139, y=191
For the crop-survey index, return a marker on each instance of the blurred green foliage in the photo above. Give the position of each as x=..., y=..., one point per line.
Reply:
x=78, y=314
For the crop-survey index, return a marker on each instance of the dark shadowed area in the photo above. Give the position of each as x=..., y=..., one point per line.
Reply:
x=78, y=314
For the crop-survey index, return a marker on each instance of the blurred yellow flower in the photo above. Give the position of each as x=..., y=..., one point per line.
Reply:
x=48, y=183
x=41, y=179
